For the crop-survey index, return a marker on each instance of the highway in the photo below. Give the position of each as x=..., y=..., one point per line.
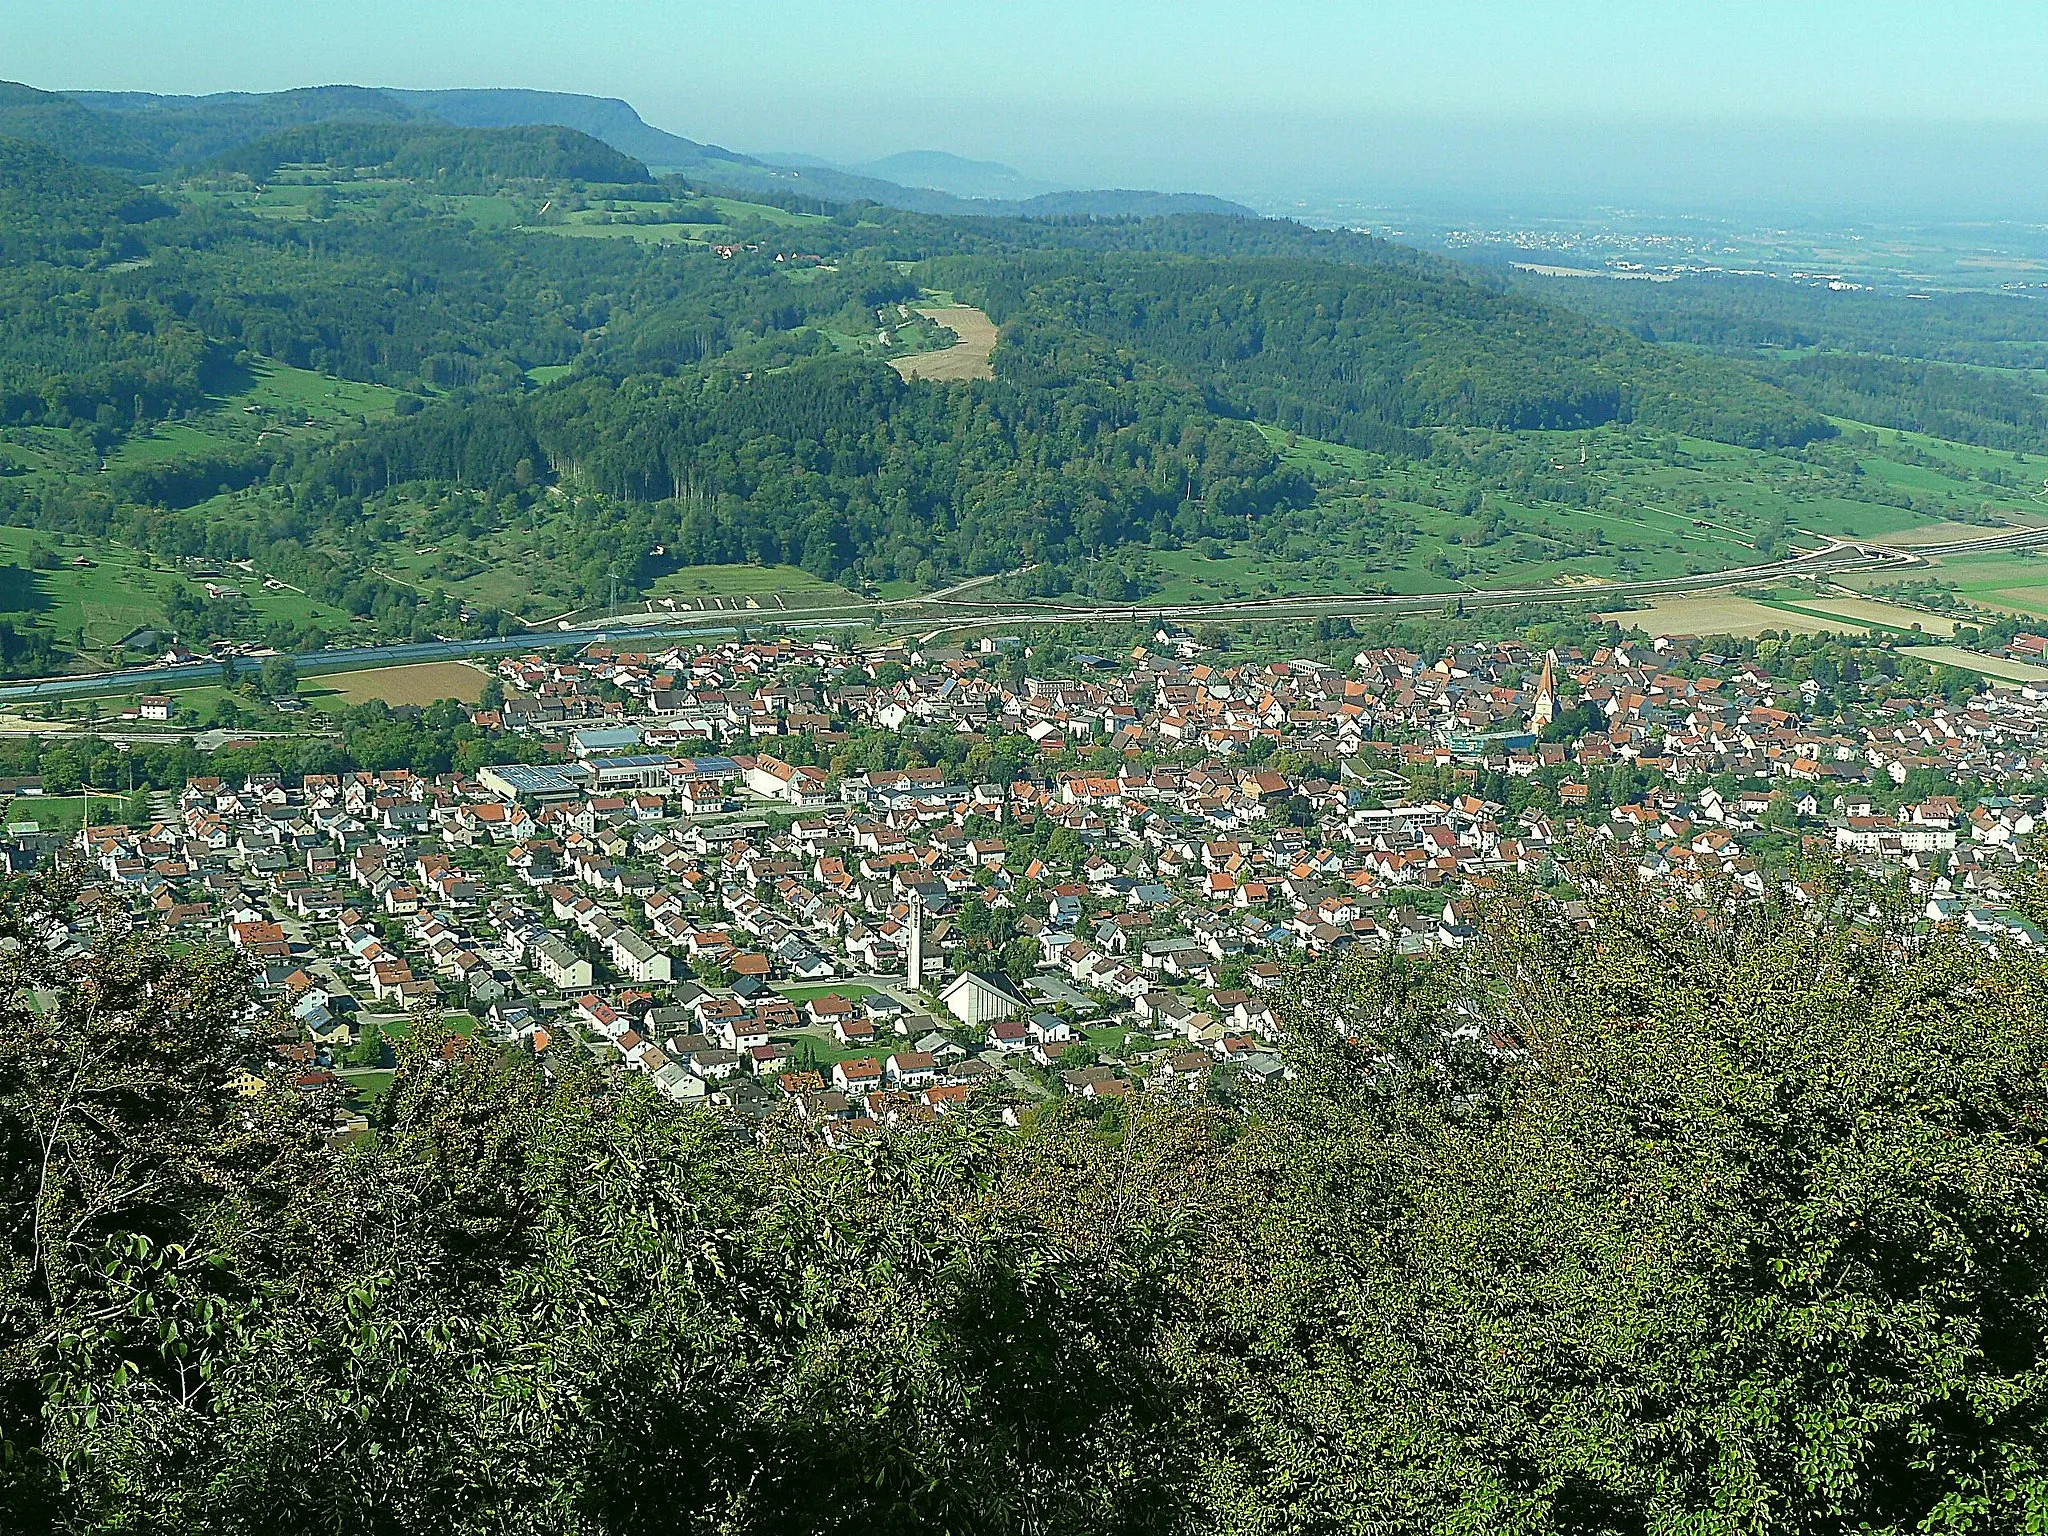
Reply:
x=953, y=609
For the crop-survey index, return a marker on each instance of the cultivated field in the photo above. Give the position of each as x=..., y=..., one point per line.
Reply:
x=968, y=358
x=1985, y=666
x=2015, y=581
x=1952, y=533
x=1739, y=617
x=428, y=683
x=1880, y=613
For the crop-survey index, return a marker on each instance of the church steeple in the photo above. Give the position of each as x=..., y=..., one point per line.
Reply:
x=1545, y=709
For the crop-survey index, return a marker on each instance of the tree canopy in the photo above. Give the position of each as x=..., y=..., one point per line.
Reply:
x=1622, y=1219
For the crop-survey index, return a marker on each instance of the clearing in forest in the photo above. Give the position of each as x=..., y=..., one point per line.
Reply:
x=967, y=358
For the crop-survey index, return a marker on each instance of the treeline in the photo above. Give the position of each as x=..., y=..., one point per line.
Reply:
x=368, y=737
x=1367, y=355
x=1617, y=1220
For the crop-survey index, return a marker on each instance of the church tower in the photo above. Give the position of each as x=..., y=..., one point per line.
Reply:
x=914, y=969
x=1545, y=708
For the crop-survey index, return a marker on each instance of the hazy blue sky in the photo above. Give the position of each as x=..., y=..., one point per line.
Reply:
x=1273, y=96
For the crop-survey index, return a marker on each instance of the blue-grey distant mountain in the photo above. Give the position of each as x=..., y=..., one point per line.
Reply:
x=942, y=172
x=1126, y=204
x=136, y=131
x=941, y=183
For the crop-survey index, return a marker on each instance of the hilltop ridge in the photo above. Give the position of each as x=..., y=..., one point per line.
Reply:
x=137, y=132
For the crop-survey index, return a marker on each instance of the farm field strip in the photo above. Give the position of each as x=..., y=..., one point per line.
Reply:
x=1743, y=618
x=1997, y=667
x=1877, y=612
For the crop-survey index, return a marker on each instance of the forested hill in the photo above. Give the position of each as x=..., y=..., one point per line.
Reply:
x=1963, y=366
x=139, y=132
x=67, y=128
x=1365, y=353
x=602, y=117
x=716, y=380
x=52, y=210
x=470, y=157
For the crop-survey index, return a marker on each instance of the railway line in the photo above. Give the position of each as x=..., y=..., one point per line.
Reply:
x=961, y=608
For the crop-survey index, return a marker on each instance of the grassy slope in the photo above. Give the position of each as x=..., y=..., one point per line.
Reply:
x=516, y=569
x=117, y=593
x=99, y=604
x=277, y=402
x=1664, y=507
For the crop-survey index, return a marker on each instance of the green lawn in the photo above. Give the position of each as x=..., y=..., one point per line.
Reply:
x=853, y=992
x=644, y=234
x=60, y=813
x=367, y=1090
x=737, y=211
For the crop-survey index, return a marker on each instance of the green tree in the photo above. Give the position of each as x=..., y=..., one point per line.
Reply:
x=367, y=1050
x=280, y=677
x=1722, y=1224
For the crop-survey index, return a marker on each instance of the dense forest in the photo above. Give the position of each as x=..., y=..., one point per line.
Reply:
x=140, y=133
x=1962, y=366
x=1360, y=353
x=842, y=468
x=1964, y=405
x=1637, y=1226
x=1727, y=312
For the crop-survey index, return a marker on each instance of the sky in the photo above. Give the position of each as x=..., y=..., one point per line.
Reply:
x=1791, y=104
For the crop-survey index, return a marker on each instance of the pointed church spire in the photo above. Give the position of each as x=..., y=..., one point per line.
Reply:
x=1545, y=709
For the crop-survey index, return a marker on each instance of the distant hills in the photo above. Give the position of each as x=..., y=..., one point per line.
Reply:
x=933, y=170
x=963, y=178
x=140, y=133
